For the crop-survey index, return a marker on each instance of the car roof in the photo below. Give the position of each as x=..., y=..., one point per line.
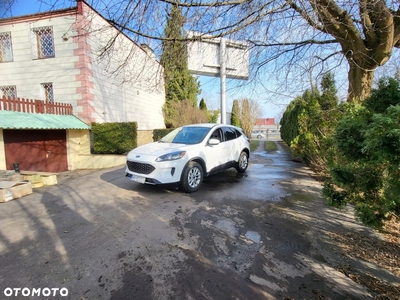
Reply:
x=208, y=125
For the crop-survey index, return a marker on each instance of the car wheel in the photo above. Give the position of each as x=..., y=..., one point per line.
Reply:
x=259, y=136
x=243, y=162
x=192, y=177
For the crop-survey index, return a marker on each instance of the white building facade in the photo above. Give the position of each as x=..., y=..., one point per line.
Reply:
x=67, y=56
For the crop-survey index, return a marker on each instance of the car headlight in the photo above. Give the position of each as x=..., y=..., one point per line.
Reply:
x=171, y=156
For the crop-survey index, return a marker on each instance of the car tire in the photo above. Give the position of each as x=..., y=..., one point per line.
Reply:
x=243, y=162
x=259, y=136
x=192, y=177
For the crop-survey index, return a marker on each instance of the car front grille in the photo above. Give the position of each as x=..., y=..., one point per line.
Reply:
x=139, y=167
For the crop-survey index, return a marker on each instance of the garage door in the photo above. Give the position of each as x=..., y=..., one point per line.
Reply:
x=36, y=150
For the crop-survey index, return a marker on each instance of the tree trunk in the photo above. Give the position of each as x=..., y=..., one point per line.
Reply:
x=360, y=82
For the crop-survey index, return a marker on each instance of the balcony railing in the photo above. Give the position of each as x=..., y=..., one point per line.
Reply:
x=34, y=106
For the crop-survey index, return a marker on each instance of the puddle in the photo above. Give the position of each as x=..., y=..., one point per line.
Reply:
x=263, y=154
x=261, y=171
x=254, y=236
x=228, y=226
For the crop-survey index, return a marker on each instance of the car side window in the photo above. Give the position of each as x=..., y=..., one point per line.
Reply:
x=229, y=133
x=216, y=135
x=238, y=133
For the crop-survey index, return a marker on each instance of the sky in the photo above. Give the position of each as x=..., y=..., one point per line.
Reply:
x=236, y=90
x=210, y=86
x=24, y=7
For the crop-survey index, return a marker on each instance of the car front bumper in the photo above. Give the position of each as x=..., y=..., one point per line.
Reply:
x=163, y=173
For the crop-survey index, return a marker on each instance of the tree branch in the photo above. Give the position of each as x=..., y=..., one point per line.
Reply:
x=396, y=20
x=384, y=29
x=366, y=22
x=340, y=25
x=242, y=23
x=306, y=16
x=202, y=4
x=305, y=42
x=249, y=19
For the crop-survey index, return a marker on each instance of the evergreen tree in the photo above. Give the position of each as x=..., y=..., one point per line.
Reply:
x=203, y=105
x=213, y=116
x=235, y=116
x=387, y=94
x=290, y=120
x=179, y=83
x=368, y=145
x=308, y=124
x=328, y=99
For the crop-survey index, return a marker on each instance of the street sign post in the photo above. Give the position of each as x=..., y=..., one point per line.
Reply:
x=218, y=57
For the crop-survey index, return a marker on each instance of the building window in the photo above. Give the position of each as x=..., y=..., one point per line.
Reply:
x=6, y=53
x=47, y=92
x=8, y=91
x=42, y=42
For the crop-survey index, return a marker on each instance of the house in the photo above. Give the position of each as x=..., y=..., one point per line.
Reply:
x=264, y=124
x=74, y=56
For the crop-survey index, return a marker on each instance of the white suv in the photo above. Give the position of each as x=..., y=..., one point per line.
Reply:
x=188, y=154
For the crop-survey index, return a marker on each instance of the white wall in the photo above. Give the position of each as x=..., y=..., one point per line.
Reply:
x=134, y=93
x=27, y=74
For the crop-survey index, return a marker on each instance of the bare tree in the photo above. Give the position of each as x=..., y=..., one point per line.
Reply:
x=357, y=36
x=250, y=111
x=185, y=113
x=5, y=7
x=245, y=117
x=367, y=32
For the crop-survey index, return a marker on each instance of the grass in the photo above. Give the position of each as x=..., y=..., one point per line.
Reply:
x=253, y=145
x=270, y=146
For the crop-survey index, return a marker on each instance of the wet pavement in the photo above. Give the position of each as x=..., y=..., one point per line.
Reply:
x=258, y=235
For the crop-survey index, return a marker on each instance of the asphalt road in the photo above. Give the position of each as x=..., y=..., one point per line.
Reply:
x=97, y=235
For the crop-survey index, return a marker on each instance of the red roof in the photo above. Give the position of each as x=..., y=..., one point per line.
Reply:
x=266, y=121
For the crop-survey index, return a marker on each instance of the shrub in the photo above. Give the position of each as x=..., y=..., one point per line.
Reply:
x=308, y=124
x=114, y=138
x=368, y=144
x=160, y=133
x=334, y=197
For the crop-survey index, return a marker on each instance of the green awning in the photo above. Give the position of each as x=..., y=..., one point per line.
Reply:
x=20, y=120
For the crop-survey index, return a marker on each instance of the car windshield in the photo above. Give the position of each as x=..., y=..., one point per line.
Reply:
x=186, y=135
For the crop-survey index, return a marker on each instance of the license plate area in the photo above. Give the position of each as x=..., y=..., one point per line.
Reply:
x=136, y=178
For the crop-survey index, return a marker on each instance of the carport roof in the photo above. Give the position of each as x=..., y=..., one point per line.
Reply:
x=20, y=120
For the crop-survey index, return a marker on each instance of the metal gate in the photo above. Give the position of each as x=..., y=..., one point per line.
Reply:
x=36, y=150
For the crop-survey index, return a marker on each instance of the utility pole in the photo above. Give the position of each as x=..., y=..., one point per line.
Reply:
x=222, y=63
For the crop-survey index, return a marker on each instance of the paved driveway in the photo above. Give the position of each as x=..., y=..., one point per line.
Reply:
x=97, y=235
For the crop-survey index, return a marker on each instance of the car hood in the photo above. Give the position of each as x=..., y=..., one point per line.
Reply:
x=157, y=149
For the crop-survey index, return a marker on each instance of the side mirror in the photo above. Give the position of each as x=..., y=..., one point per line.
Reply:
x=213, y=142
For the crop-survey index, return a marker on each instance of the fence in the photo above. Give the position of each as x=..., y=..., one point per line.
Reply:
x=34, y=106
